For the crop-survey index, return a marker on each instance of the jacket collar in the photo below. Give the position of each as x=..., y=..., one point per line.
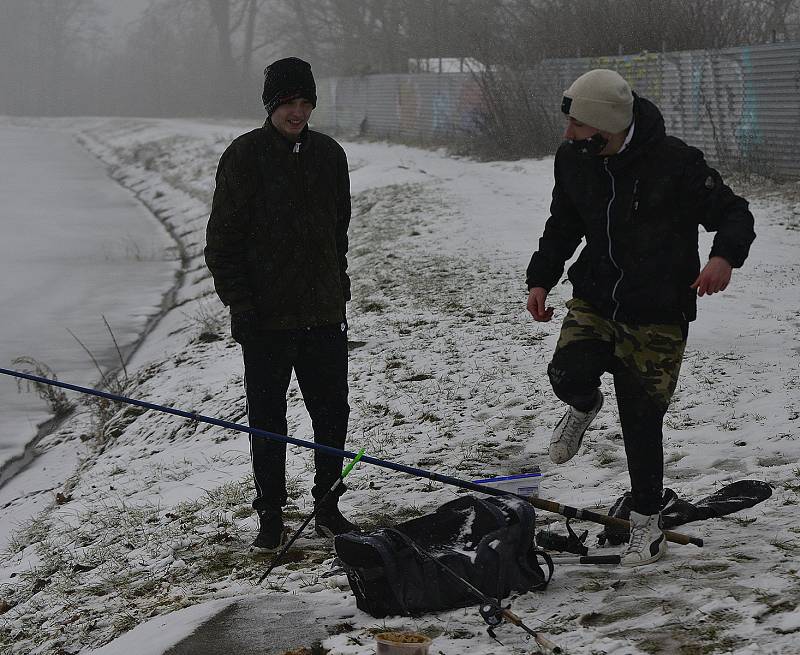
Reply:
x=649, y=132
x=281, y=143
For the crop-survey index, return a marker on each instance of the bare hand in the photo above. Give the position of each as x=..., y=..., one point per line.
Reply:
x=536, y=305
x=714, y=277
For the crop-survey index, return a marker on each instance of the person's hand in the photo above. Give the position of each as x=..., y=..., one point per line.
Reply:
x=244, y=325
x=536, y=304
x=714, y=277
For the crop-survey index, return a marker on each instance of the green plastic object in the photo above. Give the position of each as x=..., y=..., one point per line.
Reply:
x=350, y=466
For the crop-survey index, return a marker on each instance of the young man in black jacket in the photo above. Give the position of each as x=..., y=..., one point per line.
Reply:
x=276, y=246
x=637, y=196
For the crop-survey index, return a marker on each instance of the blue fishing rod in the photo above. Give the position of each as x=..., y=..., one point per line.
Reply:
x=491, y=610
x=193, y=416
x=539, y=503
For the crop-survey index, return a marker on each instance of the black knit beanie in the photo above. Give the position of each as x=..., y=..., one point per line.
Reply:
x=287, y=79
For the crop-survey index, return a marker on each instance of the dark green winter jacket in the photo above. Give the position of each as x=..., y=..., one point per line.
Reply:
x=639, y=212
x=276, y=242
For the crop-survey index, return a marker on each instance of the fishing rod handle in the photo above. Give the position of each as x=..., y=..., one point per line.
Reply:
x=546, y=646
x=603, y=519
x=683, y=539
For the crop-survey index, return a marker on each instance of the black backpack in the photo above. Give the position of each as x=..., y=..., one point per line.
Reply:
x=487, y=542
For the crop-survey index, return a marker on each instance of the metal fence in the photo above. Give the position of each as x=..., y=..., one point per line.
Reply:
x=419, y=107
x=740, y=105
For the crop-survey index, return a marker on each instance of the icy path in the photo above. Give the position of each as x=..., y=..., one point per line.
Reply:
x=75, y=247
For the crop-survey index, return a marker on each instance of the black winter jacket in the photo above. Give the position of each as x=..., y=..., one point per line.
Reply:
x=639, y=212
x=276, y=242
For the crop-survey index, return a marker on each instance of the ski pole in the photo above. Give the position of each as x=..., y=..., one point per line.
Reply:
x=588, y=515
x=339, y=482
x=547, y=505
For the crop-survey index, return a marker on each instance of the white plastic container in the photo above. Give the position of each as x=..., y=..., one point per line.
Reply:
x=525, y=484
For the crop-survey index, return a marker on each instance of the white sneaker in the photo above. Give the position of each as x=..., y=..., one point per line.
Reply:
x=568, y=435
x=647, y=543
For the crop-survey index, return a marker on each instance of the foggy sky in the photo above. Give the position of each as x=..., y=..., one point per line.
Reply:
x=201, y=58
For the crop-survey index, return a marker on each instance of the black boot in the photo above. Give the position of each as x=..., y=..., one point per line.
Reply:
x=329, y=521
x=271, y=531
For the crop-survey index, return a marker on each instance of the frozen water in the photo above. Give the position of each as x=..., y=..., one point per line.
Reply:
x=76, y=246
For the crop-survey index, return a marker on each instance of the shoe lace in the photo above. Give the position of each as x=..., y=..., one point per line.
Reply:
x=638, y=538
x=573, y=421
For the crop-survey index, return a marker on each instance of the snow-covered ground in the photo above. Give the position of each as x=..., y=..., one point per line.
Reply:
x=76, y=247
x=447, y=373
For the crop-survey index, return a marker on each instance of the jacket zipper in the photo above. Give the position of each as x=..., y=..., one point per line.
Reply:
x=608, y=234
x=299, y=181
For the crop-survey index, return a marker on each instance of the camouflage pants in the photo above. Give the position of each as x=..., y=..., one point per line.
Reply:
x=651, y=353
x=645, y=361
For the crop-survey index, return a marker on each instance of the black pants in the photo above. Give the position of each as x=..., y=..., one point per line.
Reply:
x=318, y=356
x=575, y=375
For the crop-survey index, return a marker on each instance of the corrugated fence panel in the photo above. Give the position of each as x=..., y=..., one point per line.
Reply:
x=740, y=105
x=422, y=107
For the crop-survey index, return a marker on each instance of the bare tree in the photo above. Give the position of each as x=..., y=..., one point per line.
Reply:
x=235, y=22
x=206, y=51
x=41, y=44
x=560, y=28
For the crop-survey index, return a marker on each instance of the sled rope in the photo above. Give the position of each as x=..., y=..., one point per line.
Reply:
x=539, y=503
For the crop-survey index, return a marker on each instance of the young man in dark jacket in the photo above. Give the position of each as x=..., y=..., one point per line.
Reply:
x=277, y=248
x=637, y=196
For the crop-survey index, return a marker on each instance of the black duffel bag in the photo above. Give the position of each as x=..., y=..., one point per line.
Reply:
x=418, y=566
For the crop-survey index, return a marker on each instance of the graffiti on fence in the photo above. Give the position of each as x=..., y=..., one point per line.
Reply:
x=748, y=134
x=455, y=108
x=724, y=103
x=470, y=107
x=716, y=100
x=643, y=72
x=442, y=109
x=408, y=107
x=708, y=96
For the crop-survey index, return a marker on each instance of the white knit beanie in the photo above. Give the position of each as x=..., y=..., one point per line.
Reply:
x=600, y=98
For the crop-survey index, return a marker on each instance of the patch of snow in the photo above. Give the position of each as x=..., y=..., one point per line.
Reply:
x=158, y=634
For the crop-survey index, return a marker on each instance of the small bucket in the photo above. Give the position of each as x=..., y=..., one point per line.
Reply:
x=402, y=643
x=525, y=484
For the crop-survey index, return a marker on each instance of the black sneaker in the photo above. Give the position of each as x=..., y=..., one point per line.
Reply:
x=329, y=522
x=271, y=534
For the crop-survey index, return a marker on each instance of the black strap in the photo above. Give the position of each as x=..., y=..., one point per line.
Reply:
x=549, y=561
x=500, y=513
x=393, y=576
